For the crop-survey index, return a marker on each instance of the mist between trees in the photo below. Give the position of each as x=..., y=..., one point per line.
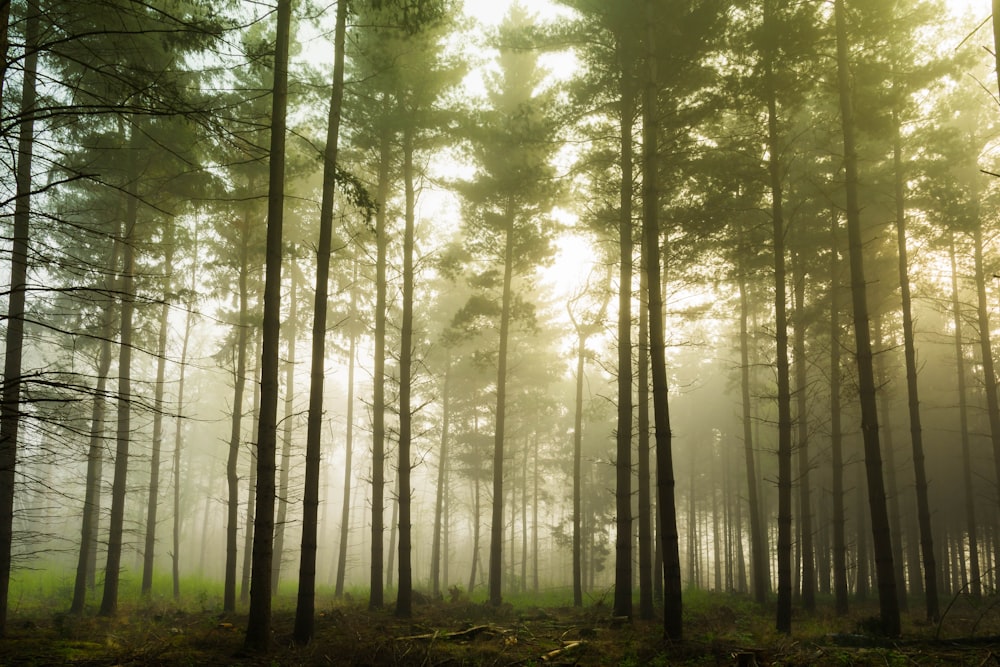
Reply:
x=616, y=299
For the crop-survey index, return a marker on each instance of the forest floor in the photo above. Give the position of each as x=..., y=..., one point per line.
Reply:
x=719, y=630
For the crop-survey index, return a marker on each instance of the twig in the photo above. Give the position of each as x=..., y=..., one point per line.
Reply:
x=551, y=655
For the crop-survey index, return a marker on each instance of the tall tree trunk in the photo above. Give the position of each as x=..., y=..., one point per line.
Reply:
x=475, y=534
x=963, y=419
x=404, y=590
x=10, y=409
x=236, y=426
x=291, y=338
x=913, y=398
x=649, y=579
x=86, y=562
x=758, y=544
x=623, y=437
x=577, y=479
x=252, y=485
x=882, y=540
x=784, y=611
x=881, y=376
x=154, y=462
x=808, y=580
x=258, y=634
x=985, y=346
x=442, y=473
x=109, y=602
x=305, y=604
x=345, y=512
x=665, y=482
x=179, y=430
x=496, y=524
x=836, y=435
x=376, y=585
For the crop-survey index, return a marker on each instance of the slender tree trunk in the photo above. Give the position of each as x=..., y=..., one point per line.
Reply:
x=10, y=409
x=86, y=563
x=345, y=513
x=154, y=463
x=496, y=525
x=882, y=540
x=758, y=545
x=393, y=522
x=649, y=578
x=665, y=482
x=109, y=602
x=404, y=591
x=258, y=634
x=836, y=436
x=442, y=472
x=913, y=398
x=963, y=418
x=882, y=378
x=985, y=346
x=534, y=518
x=236, y=430
x=623, y=437
x=784, y=611
x=808, y=580
x=291, y=337
x=179, y=432
x=305, y=604
x=475, y=534
x=377, y=586
x=252, y=486
x=577, y=479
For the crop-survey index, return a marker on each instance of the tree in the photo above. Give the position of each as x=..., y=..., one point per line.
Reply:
x=304, y=611
x=10, y=410
x=258, y=633
x=672, y=617
x=888, y=601
x=511, y=145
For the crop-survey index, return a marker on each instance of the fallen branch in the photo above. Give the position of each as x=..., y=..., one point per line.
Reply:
x=552, y=655
x=458, y=634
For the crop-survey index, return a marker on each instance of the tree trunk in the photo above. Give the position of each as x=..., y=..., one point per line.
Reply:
x=963, y=418
x=258, y=634
x=251, y=486
x=758, y=544
x=404, y=590
x=836, y=436
x=913, y=398
x=291, y=337
x=236, y=424
x=882, y=540
x=577, y=479
x=86, y=563
x=109, y=603
x=784, y=611
x=496, y=524
x=10, y=409
x=376, y=585
x=623, y=438
x=808, y=577
x=475, y=535
x=179, y=433
x=665, y=482
x=345, y=513
x=305, y=604
x=442, y=472
x=154, y=462
x=649, y=580
x=985, y=346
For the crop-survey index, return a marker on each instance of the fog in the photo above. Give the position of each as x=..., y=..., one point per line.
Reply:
x=621, y=302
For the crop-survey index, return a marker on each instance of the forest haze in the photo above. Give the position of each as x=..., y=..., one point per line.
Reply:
x=398, y=301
